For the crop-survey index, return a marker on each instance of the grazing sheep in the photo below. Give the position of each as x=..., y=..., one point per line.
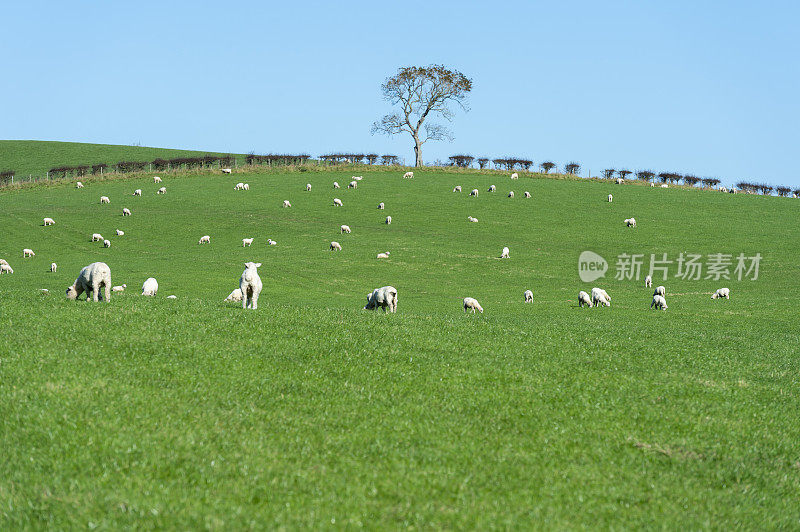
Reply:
x=250, y=285
x=156, y=179
x=172, y=297
x=660, y=291
x=120, y=288
x=732, y=191
x=659, y=302
x=384, y=297
x=226, y=170
x=474, y=192
x=344, y=229
x=470, y=303
x=126, y=212
x=492, y=188
x=104, y=199
x=335, y=246
x=408, y=175
x=630, y=222
x=246, y=186
x=308, y=187
x=286, y=204
x=97, y=237
x=238, y=186
x=457, y=188
x=619, y=180
x=722, y=293
x=600, y=297
x=353, y=184
x=384, y=255
x=120, y=233
x=137, y=192
x=527, y=194
x=236, y=295
x=528, y=295
x=53, y=267
x=358, y=177
x=106, y=243
x=723, y=189
x=584, y=299
x=5, y=268
x=335, y=184
x=246, y=242
x=380, y=206
x=515, y=176
x=337, y=202
x=271, y=242
x=78, y=185
x=205, y=239
x=162, y=190
x=664, y=186
x=610, y=198
x=505, y=253
x=471, y=219
x=150, y=287
x=49, y=221
x=511, y=194
x=28, y=253
x=648, y=281
x=388, y=220
x=92, y=278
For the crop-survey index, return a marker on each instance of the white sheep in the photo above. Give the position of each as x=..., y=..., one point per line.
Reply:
x=408, y=175
x=247, y=242
x=92, y=278
x=358, y=177
x=600, y=297
x=470, y=303
x=528, y=295
x=457, y=188
x=344, y=229
x=584, y=299
x=236, y=295
x=106, y=243
x=78, y=185
x=156, y=179
x=53, y=267
x=527, y=194
x=126, y=212
x=629, y=222
x=335, y=246
x=49, y=221
x=172, y=297
x=384, y=255
x=271, y=242
x=308, y=187
x=511, y=194
x=381, y=206
x=205, y=239
x=610, y=198
x=723, y=189
x=515, y=176
x=335, y=184
x=474, y=192
x=619, y=180
x=505, y=253
x=27, y=252
x=104, y=199
x=492, y=188
x=97, y=237
x=120, y=233
x=660, y=291
x=664, y=186
x=648, y=281
x=388, y=220
x=238, y=186
x=659, y=302
x=250, y=285
x=120, y=288
x=384, y=297
x=162, y=190
x=652, y=184
x=226, y=170
x=246, y=186
x=286, y=203
x=724, y=293
x=471, y=219
x=353, y=184
x=337, y=202
x=5, y=268
x=3, y=261
x=150, y=287
x=137, y=192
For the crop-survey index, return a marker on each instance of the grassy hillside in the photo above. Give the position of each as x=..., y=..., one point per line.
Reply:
x=36, y=157
x=310, y=412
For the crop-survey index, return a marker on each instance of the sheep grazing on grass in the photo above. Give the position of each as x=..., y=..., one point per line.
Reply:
x=664, y=186
x=527, y=194
x=308, y=187
x=119, y=288
x=381, y=206
x=120, y=233
x=528, y=295
x=27, y=252
x=610, y=198
x=600, y=297
x=97, y=237
x=126, y=212
x=271, y=242
x=286, y=204
x=384, y=297
x=471, y=219
x=630, y=222
x=505, y=253
x=511, y=194
x=388, y=220
x=92, y=278
x=353, y=184
x=457, y=188
x=106, y=243
x=584, y=299
x=384, y=255
x=335, y=184
x=226, y=170
x=238, y=186
x=337, y=202
x=236, y=295
x=250, y=285
x=492, y=188
x=137, y=192
x=344, y=229
x=358, y=177
x=205, y=239
x=104, y=199
x=515, y=176
x=474, y=192
x=246, y=242
x=150, y=287
x=53, y=267
x=470, y=303
x=722, y=293
x=659, y=302
x=162, y=190
x=335, y=246
x=156, y=179
x=648, y=281
x=78, y=185
x=5, y=268
x=619, y=180
x=723, y=189
x=49, y=221
x=246, y=186
x=660, y=291
x=408, y=175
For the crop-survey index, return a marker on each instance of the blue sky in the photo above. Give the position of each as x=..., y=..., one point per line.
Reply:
x=709, y=88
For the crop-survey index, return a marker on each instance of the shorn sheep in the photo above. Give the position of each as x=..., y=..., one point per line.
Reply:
x=97, y=237
x=5, y=268
x=344, y=229
x=156, y=179
x=408, y=175
x=250, y=285
x=246, y=242
x=470, y=303
x=126, y=212
x=660, y=291
x=162, y=190
x=610, y=198
x=150, y=287
x=49, y=221
x=659, y=302
x=381, y=206
x=353, y=184
x=120, y=288
x=528, y=295
x=120, y=233
x=457, y=188
x=474, y=192
x=337, y=202
x=648, y=281
x=492, y=188
x=28, y=253
x=92, y=278
x=527, y=194
x=388, y=220
x=78, y=185
x=205, y=239
x=104, y=199
x=600, y=297
x=384, y=297
x=308, y=187
x=722, y=293
x=236, y=295
x=515, y=176
x=53, y=267
x=505, y=253
x=106, y=243
x=384, y=255
x=511, y=194
x=584, y=299
x=137, y=192
x=286, y=204
x=335, y=246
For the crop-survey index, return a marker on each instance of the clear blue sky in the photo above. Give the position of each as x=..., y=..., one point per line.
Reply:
x=709, y=88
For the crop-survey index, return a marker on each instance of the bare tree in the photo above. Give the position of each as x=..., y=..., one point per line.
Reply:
x=422, y=92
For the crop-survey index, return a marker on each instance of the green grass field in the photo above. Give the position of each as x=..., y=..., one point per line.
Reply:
x=310, y=412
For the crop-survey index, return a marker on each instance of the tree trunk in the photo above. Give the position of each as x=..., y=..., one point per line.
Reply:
x=417, y=152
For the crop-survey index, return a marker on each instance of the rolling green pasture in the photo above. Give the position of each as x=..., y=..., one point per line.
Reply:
x=310, y=412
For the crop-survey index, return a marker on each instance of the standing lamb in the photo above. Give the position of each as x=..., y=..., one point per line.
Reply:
x=388, y=220
x=308, y=187
x=457, y=188
x=78, y=185
x=205, y=239
x=5, y=268
x=126, y=212
x=724, y=293
x=137, y=192
x=250, y=285
x=344, y=229
x=120, y=288
x=238, y=186
x=97, y=237
x=505, y=253
x=584, y=299
x=156, y=179
x=286, y=204
x=92, y=278
x=619, y=180
x=408, y=175
x=659, y=302
x=528, y=296
x=150, y=287
x=384, y=297
x=610, y=198
x=162, y=190
x=600, y=297
x=515, y=176
x=49, y=221
x=470, y=303
x=630, y=222
x=106, y=243
x=104, y=199
x=527, y=194
x=246, y=242
x=335, y=246
x=28, y=253
x=492, y=188
x=246, y=186
x=337, y=202
x=648, y=281
x=53, y=267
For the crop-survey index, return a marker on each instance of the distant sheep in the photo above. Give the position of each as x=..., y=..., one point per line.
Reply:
x=659, y=302
x=97, y=237
x=528, y=295
x=388, y=220
x=619, y=180
x=271, y=242
x=335, y=184
x=335, y=246
x=120, y=288
x=106, y=243
x=664, y=186
x=126, y=212
x=408, y=175
x=78, y=185
x=150, y=287
x=28, y=253
x=286, y=204
x=353, y=184
x=384, y=255
x=630, y=222
x=250, y=285
x=471, y=219
x=344, y=229
x=384, y=297
x=470, y=303
x=660, y=291
x=238, y=186
x=511, y=194
x=308, y=187
x=162, y=190
x=172, y=297
x=49, y=221
x=527, y=194
x=474, y=192
x=505, y=253
x=584, y=299
x=600, y=297
x=247, y=242
x=120, y=233
x=5, y=268
x=492, y=188
x=610, y=198
x=104, y=199
x=380, y=206
x=92, y=278
x=137, y=192
x=236, y=295
x=246, y=186
x=205, y=239
x=358, y=177
x=648, y=281
x=515, y=176
x=457, y=188
x=53, y=267
x=156, y=179
x=337, y=202
x=226, y=170
x=722, y=293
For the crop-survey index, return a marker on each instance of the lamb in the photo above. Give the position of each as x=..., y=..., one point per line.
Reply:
x=457, y=188
x=205, y=239
x=271, y=242
x=335, y=185
x=28, y=253
x=150, y=287
x=584, y=299
x=5, y=268
x=648, y=281
x=722, y=293
x=120, y=233
x=600, y=297
x=664, y=186
x=337, y=202
x=78, y=185
x=238, y=186
x=49, y=221
x=92, y=278
x=162, y=190
x=247, y=242
x=527, y=194
x=246, y=186
x=471, y=219
x=286, y=204
x=380, y=206
x=659, y=302
x=172, y=297
x=474, y=192
x=492, y=188
x=505, y=253
x=120, y=288
x=335, y=246
x=104, y=199
x=384, y=297
x=610, y=198
x=630, y=222
x=619, y=180
x=511, y=194
x=652, y=184
x=126, y=212
x=53, y=267
x=308, y=187
x=236, y=295
x=660, y=291
x=226, y=170
x=528, y=295
x=384, y=255
x=106, y=243
x=97, y=237
x=388, y=220
x=344, y=229
x=408, y=175
x=250, y=285
x=137, y=192
x=358, y=177
x=156, y=179
x=470, y=303
x=515, y=176
x=353, y=184
x=723, y=189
